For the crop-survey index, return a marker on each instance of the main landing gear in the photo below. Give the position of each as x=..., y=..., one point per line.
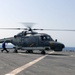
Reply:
x=43, y=52
x=29, y=51
x=15, y=51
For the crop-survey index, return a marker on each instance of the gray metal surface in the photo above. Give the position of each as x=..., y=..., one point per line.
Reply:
x=62, y=63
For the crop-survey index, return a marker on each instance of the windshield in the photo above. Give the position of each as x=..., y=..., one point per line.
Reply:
x=46, y=38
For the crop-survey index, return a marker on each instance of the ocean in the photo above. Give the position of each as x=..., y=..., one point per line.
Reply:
x=69, y=49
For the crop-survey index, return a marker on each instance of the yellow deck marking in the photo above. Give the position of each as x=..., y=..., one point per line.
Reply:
x=18, y=70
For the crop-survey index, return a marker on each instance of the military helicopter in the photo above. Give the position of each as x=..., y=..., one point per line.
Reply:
x=30, y=40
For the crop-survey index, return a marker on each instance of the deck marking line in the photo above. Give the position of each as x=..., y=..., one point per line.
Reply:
x=16, y=71
x=22, y=54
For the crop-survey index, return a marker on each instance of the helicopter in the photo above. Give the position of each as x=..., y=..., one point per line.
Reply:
x=30, y=40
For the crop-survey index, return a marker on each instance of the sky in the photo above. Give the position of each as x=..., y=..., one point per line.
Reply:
x=47, y=14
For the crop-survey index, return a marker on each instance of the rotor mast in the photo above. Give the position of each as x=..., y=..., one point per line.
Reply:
x=29, y=27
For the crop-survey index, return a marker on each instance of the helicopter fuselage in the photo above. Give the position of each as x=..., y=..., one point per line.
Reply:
x=39, y=41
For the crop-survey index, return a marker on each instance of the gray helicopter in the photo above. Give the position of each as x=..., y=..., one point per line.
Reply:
x=30, y=40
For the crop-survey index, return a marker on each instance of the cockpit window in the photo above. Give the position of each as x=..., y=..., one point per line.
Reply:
x=45, y=37
x=48, y=37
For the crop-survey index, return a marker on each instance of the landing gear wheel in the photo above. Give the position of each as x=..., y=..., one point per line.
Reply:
x=43, y=52
x=29, y=51
x=26, y=51
x=15, y=51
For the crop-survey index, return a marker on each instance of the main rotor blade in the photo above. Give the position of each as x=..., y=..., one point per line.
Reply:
x=56, y=29
x=13, y=28
x=60, y=29
x=37, y=29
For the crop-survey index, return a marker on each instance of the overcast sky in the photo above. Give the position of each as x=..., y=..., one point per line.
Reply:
x=53, y=14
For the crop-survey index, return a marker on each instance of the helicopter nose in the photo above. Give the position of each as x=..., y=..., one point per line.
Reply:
x=56, y=46
x=63, y=46
x=60, y=45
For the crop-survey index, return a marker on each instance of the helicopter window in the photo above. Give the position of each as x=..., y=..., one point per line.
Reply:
x=48, y=38
x=45, y=37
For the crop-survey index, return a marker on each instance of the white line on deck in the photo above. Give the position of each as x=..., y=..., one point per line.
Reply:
x=72, y=55
x=18, y=70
